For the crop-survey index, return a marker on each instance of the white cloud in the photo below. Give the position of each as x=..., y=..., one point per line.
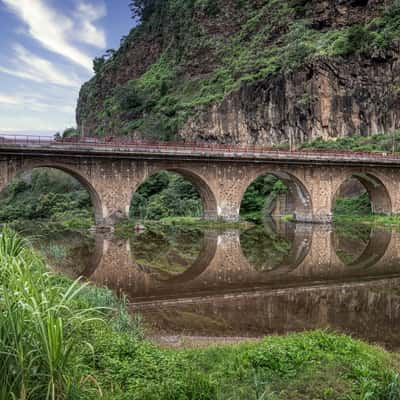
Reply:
x=36, y=102
x=56, y=31
x=8, y=100
x=86, y=14
x=29, y=66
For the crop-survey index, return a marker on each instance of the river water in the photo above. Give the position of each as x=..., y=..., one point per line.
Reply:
x=270, y=279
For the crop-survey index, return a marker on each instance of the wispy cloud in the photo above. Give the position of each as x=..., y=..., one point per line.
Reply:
x=34, y=102
x=86, y=15
x=57, y=32
x=9, y=100
x=27, y=65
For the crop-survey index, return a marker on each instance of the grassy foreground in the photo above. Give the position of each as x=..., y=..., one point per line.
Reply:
x=65, y=340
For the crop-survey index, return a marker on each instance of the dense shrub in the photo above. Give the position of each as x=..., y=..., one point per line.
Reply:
x=166, y=195
x=260, y=195
x=351, y=206
x=46, y=194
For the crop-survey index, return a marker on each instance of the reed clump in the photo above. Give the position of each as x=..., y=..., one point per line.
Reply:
x=39, y=324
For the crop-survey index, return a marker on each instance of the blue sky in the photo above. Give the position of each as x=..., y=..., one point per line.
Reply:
x=47, y=47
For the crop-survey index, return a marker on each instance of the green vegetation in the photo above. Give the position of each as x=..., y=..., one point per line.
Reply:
x=260, y=197
x=40, y=327
x=379, y=220
x=64, y=340
x=46, y=195
x=382, y=143
x=165, y=195
x=57, y=202
x=171, y=199
x=357, y=210
x=356, y=206
x=274, y=37
x=67, y=134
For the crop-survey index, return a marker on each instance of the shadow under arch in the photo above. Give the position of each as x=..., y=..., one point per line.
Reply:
x=300, y=237
x=94, y=196
x=378, y=243
x=381, y=202
x=297, y=201
x=208, y=199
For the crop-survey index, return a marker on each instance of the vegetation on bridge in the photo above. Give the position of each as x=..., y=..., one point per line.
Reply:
x=389, y=142
x=64, y=340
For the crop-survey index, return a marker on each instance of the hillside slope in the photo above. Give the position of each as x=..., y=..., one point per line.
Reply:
x=256, y=71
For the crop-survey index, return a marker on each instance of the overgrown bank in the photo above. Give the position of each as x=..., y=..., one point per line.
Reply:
x=57, y=344
x=47, y=196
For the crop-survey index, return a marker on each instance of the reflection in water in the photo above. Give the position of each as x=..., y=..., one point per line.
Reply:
x=265, y=250
x=361, y=246
x=369, y=310
x=71, y=253
x=271, y=279
x=167, y=251
x=276, y=246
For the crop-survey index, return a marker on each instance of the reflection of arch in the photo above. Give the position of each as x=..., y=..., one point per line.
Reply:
x=209, y=202
x=94, y=196
x=207, y=253
x=209, y=244
x=97, y=255
x=297, y=200
x=377, y=191
x=300, y=236
x=378, y=243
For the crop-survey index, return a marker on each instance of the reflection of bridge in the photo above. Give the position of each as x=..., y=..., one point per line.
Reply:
x=112, y=172
x=311, y=288
x=223, y=268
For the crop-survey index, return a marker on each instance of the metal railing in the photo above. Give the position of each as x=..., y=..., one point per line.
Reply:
x=152, y=146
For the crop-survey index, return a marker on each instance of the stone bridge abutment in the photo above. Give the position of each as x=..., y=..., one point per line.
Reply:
x=312, y=188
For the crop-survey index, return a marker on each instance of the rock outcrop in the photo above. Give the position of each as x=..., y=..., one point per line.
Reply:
x=326, y=95
x=326, y=98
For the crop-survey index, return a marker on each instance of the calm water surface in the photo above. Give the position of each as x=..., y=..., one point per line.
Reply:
x=275, y=278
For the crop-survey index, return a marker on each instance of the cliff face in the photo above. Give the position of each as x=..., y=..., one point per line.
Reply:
x=325, y=98
x=260, y=71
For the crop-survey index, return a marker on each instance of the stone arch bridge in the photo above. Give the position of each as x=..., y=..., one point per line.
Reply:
x=112, y=174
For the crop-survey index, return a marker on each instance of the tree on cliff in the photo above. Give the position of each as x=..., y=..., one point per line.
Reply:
x=142, y=9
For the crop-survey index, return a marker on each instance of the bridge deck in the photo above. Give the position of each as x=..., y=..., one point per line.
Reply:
x=40, y=146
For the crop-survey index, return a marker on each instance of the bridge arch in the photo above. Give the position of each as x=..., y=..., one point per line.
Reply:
x=75, y=173
x=296, y=200
x=377, y=191
x=207, y=196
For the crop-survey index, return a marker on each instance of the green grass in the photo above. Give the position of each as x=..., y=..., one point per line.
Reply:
x=357, y=210
x=379, y=220
x=56, y=343
x=127, y=227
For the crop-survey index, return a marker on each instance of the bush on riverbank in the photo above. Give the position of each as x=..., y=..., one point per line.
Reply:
x=55, y=345
x=355, y=206
x=49, y=195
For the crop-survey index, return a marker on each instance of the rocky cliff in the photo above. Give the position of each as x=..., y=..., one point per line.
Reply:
x=259, y=71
